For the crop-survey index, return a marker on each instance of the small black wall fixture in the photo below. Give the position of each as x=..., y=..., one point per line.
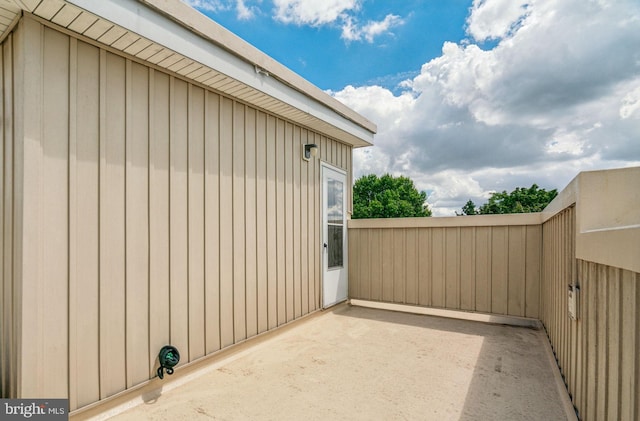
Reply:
x=310, y=149
x=169, y=357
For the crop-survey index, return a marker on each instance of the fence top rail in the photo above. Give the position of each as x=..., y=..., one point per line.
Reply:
x=607, y=219
x=516, y=219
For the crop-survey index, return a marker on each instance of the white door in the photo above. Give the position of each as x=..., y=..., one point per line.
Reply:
x=334, y=236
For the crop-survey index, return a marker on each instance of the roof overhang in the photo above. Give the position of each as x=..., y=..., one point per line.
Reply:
x=170, y=35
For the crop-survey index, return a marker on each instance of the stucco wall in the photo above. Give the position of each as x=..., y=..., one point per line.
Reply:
x=155, y=211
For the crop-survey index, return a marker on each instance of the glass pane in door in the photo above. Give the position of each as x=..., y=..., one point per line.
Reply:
x=335, y=246
x=335, y=194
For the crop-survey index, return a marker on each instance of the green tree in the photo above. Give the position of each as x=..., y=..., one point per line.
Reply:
x=469, y=208
x=387, y=197
x=520, y=200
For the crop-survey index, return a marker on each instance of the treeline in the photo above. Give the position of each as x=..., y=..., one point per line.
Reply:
x=397, y=197
x=520, y=200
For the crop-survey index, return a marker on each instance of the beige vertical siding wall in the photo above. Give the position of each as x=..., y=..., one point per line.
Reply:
x=485, y=264
x=9, y=229
x=599, y=353
x=155, y=212
x=558, y=272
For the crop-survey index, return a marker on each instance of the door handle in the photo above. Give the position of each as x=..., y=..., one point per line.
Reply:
x=325, y=245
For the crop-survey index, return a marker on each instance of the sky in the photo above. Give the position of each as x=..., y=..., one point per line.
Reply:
x=470, y=96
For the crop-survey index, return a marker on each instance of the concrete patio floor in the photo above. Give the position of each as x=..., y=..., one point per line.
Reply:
x=365, y=364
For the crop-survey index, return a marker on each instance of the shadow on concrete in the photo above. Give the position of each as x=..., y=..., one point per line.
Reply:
x=356, y=363
x=510, y=376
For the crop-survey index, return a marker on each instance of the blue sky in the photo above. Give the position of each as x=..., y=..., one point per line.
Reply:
x=321, y=55
x=472, y=96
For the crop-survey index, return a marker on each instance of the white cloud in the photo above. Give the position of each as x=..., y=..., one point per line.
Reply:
x=243, y=11
x=630, y=107
x=558, y=94
x=494, y=19
x=313, y=12
x=563, y=142
x=335, y=12
x=208, y=5
x=351, y=31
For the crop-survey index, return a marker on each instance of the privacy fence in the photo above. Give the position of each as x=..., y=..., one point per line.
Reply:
x=522, y=265
x=488, y=263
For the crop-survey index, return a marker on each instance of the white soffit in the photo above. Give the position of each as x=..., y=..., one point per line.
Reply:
x=173, y=36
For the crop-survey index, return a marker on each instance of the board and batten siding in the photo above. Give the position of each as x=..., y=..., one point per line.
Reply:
x=155, y=211
x=442, y=262
x=598, y=354
x=9, y=220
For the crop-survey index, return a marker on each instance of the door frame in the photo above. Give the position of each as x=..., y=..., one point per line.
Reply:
x=326, y=273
